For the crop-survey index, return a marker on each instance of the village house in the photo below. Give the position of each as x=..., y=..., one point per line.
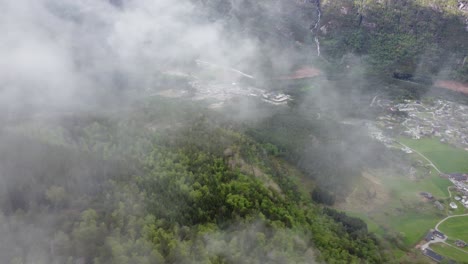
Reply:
x=276, y=98
x=434, y=256
x=460, y=177
x=427, y=195
x=463, y=190
x=439, y=205
x=438, y=234
x=429, y=236
x=460, y=243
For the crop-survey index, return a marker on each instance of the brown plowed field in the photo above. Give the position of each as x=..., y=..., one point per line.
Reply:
x=303, y=73
x=452, y=85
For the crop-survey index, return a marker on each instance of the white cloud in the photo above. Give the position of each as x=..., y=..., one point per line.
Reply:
x=54, y=50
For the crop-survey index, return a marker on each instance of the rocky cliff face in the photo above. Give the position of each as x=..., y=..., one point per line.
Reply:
x=413, y=37
x=418, y=38
x=284, y=29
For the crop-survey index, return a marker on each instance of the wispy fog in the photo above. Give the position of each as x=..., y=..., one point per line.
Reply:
x=64, y=52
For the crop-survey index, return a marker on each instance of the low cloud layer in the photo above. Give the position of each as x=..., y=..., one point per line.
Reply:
x=64, y=52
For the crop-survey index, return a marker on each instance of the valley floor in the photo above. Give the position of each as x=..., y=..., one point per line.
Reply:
x=411, y=202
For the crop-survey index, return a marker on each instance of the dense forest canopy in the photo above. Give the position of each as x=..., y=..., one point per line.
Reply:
x=108, y=195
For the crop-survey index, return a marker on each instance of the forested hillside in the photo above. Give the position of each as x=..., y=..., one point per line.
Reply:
x=330, y=153
x=106, y=189
x=408, y=38
x=425, y=39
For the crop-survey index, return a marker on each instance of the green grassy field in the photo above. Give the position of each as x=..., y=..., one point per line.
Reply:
x=406, y=212
x=450, y=252
x=456, y=227
x=414, y=226
x=447, y=158
x=411, y=217
x=372, y=226
x=403, y=187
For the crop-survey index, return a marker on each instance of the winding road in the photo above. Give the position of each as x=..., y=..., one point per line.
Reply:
x=443, y=220
x=440, y=240
x=448, y=188
x=420, y=154
x=450, y=193
x=437, y=239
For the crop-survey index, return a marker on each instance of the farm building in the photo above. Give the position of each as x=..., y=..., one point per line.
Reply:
x=434, y=256
x=429, y=236
x=427, y=195
x=460, y=243
x=439, y=205
x=276, y=99
x=438, y=234
x=459, y=177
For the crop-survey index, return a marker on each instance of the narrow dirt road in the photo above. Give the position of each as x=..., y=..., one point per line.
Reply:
x=444, y=240
x=436, y=239
x=420, y=154
x=443, y=220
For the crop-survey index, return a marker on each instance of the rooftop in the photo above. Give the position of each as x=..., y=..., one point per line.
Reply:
x=436, y=257
x=439, y=234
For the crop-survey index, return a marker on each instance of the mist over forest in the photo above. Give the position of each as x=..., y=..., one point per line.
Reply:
x=215, y=131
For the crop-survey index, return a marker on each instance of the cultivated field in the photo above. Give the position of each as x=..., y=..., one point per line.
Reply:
x=397, y=205
x=389, y=200
x=456, y=228
x=450, y=252
x=452, y=85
